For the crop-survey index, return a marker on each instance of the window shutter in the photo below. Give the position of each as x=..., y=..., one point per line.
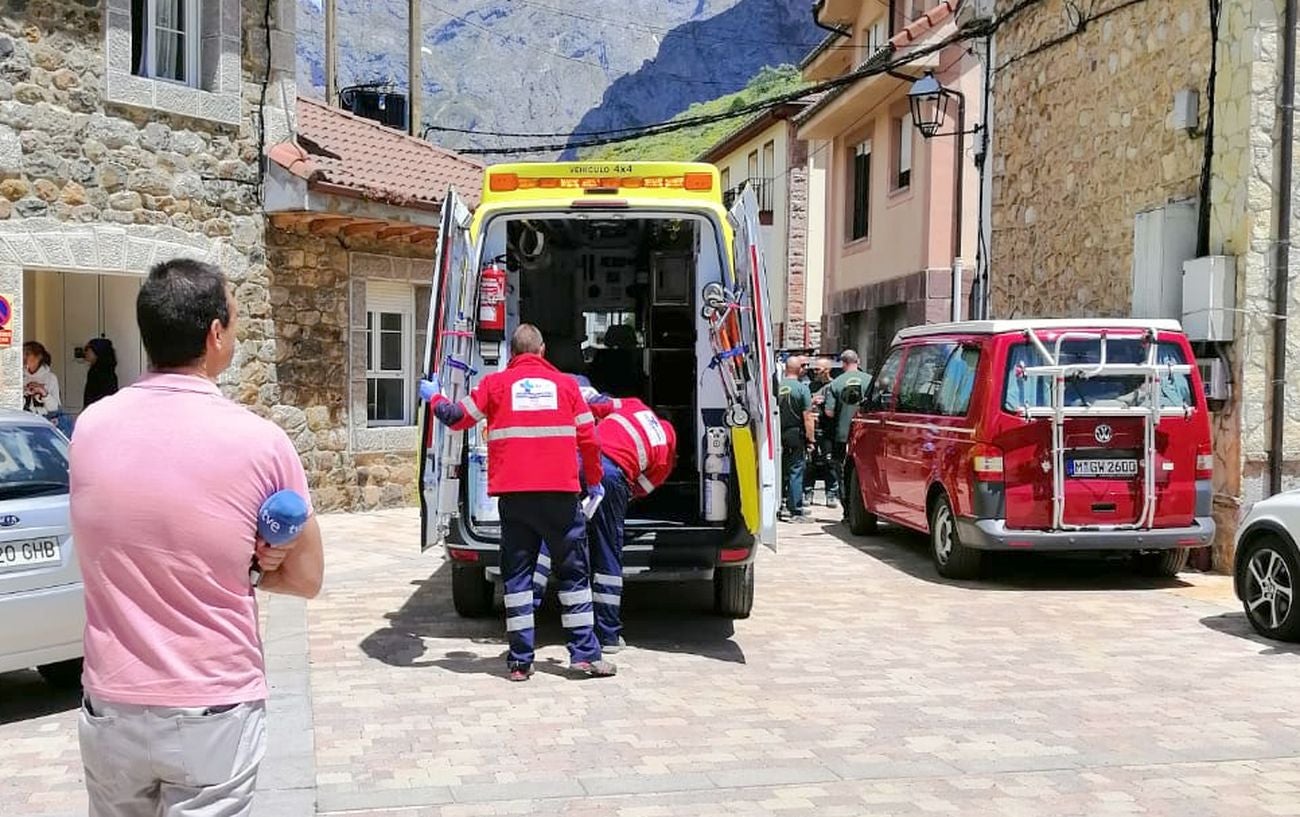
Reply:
x=390, y=296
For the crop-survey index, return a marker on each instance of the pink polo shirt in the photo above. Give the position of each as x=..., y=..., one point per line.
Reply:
x=167, y=478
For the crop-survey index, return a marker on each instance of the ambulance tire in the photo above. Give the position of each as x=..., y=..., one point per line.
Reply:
x=1161, y=564
x=733, y=591
x=952, y=559
x=471, y=592
x=862, y=522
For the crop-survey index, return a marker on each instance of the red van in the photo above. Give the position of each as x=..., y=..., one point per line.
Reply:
x=1037, y=435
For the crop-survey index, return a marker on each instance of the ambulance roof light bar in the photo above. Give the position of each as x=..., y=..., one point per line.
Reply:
x=695, y=182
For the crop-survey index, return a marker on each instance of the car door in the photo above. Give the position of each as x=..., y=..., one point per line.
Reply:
x=868, y=439
x=451, y=299
x=914, y=439
x=750, y=277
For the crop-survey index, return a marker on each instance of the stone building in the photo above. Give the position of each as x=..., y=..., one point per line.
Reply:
x=124, y=141
x=764, y=153
x=1101, y=187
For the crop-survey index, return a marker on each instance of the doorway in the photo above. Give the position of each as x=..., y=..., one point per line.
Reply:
x=63, y=310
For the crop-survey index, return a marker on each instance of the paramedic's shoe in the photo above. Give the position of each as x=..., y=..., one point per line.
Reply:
x=611, y=649
x=595, y=669
x=783, y=515
x=832, y=502
x=518, y=674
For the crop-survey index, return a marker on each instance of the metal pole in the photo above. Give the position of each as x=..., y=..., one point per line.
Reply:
x=1282, y=248
x=331, y=53
x=957, y=202
x=415, y=44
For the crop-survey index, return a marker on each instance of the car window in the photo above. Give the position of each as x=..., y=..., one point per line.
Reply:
x=881, y=395
x=918, y=391
x=1034, y=391
x=33, y=461
x=959, y=381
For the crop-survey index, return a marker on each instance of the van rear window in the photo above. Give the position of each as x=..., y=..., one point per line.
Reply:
x=1036, y=391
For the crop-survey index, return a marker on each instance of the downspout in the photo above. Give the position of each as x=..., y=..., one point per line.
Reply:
x=1207, y=160
x=1282, y=248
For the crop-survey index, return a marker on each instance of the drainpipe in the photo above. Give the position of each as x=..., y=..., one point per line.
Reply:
x=1282, y=248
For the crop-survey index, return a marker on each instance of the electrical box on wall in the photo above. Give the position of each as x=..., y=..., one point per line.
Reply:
x=1214, y=376
x=1210, y=298
x=1163, y=239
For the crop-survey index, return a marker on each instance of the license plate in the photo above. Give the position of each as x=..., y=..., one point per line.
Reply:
x=1103, y=468
x=32, y=553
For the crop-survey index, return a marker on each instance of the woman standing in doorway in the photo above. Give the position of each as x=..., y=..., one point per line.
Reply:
x=41, y=387
x=101, y=379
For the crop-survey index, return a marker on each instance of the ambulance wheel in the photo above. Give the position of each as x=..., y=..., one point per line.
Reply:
x=862, y=522
x=952, y=559
x=471, y=592
x=733, y=591
x=1161, y=564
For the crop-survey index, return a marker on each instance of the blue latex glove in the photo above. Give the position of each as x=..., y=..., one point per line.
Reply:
x=430, y=387
x=595, y=494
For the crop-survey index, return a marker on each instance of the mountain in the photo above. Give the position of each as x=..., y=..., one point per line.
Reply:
x=556, y=66
x=688, y=143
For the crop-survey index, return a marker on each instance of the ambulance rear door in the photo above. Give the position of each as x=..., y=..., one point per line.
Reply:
x=448, y=331
x=756, y=333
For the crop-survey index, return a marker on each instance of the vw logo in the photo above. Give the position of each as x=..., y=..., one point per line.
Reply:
x=8, y=521
x=1103, y=433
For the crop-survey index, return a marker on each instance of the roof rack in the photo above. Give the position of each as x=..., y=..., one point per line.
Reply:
x=1145, y=404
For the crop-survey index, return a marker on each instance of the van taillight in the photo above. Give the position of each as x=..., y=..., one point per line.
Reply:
x=986, y=461
x=1204, y=462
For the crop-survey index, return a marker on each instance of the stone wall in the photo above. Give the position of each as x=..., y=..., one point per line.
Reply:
x=1084, y=141
x=317, y=292
x=796, y=214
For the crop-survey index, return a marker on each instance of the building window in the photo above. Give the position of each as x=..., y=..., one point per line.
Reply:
x=902, y=175
x=726, y=178
x=165, y=40
x=860, y=191
x=874, y=38
x=390, y=344
x=764, y=186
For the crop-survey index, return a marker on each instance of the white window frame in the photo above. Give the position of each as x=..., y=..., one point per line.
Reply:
x=391, y=298
x=193, y=39
x=904, y=157
x=861, y=149
x=877, y=37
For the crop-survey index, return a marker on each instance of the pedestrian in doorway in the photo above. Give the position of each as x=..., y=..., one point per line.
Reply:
x=167, y=480
x=101, y=378
x=41, y=387
x=540, y=435
x=842, y=398
x=820, y=465
x=797, y=436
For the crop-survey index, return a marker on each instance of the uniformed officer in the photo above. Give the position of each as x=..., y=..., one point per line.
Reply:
x=841, y=403
x=540, y=432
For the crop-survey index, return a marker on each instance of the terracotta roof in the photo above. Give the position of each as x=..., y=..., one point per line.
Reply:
x=916, y=29
x=344, y=154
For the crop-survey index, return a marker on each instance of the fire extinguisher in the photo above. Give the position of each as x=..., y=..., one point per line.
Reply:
x=492, y=302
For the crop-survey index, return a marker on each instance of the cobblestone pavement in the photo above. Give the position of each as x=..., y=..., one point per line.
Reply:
x=861, y=685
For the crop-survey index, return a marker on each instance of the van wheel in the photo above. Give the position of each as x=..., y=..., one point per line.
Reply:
x=471, y=592
x=64, y=675
x=952, y=559
x=1267, y=570
x=861, y=521
x=1163, y=564
x=733, y=591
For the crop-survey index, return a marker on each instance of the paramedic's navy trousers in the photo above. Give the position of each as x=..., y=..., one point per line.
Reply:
x=528, y=519
x=607, y=553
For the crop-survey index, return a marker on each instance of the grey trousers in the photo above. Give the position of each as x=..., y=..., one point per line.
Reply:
x=148, y=761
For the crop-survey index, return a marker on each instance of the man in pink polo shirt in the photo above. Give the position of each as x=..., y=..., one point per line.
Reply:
x=167, y=479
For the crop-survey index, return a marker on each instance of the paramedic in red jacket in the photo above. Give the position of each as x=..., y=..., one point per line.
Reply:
x=540, y=431
x=638, y=452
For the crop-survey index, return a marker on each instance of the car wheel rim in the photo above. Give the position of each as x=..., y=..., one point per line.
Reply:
x=943, y=533
x=1269, y=588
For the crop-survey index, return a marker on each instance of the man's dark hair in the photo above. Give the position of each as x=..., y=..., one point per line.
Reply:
x=177, y=304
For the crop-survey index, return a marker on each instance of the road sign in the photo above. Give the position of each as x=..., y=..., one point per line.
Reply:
x=6, y=314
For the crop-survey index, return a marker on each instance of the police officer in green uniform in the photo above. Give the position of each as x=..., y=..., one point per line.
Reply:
x=841, y=403
x=797, y=436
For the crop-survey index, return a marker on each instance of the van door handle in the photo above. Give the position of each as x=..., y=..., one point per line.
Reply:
x=928, y=448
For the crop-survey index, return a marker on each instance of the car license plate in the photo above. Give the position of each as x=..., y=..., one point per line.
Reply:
x=32, y=553
x=1114, y=468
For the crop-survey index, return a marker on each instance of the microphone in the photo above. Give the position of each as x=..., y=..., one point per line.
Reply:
x=279, y=521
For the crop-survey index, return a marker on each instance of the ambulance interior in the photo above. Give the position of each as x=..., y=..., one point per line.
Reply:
x=617, y=298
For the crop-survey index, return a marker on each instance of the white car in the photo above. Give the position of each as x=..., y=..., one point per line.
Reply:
x=41, y=595
x=1268, y=565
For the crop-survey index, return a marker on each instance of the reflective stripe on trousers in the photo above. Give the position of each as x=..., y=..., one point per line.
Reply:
x=606, y=533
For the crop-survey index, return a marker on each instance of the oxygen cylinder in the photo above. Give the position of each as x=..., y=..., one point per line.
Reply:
x=717, y=473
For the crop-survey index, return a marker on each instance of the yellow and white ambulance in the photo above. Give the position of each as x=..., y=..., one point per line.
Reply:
x=641, y=280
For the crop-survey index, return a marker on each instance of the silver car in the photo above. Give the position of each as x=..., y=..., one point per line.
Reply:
x=40, y=584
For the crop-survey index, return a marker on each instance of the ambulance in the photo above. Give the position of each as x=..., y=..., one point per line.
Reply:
x=640, y=279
